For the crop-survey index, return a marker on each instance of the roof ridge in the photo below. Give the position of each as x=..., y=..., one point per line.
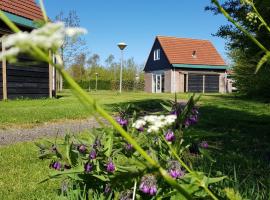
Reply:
x=25, y=8
x=163, y=36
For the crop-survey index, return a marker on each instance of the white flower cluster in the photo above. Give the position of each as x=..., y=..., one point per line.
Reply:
x=252, y=17
x=154, y=122
x=50, y=36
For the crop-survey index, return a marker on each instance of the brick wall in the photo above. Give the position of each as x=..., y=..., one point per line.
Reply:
x=168, y=80
x=222, y=88
x=148, y=82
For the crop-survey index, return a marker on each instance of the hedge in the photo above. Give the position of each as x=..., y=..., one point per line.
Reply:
x=127, y=85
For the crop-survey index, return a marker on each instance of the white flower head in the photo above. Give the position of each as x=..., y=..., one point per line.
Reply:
x=155, y=123
x=49, y=37
x=72, y=31
x=13, y=52
x=139, y=124
x=170, y=119
x=153, y=129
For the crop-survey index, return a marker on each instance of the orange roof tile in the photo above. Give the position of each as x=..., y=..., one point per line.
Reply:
x=180, y=50
x=24, y=8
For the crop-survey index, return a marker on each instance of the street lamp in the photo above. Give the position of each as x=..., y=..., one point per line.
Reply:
x=121, y=46
x=96, y=80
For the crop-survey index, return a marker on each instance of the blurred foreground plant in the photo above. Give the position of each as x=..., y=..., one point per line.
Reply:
x=254, y=18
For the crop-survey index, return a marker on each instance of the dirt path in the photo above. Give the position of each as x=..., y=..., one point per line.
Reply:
x=15, y=135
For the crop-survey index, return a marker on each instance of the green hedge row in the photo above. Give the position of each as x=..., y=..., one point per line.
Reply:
x=127, y=85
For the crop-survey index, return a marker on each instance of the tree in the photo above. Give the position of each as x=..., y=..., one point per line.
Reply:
x=109, y=60
x=243, y=52
x=93, y=61
x=71, y=48
x=77, y=69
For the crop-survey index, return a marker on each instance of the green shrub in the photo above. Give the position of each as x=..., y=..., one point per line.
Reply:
x=127, y=85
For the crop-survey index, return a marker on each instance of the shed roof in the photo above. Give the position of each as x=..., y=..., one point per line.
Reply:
x=24, y=8
x=190, y=51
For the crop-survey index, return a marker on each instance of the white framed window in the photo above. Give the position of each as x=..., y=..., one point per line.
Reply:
x=157, y=54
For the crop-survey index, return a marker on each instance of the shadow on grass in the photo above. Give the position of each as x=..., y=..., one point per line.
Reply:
x=239, y=139
x=237, y=96
x=146, y=105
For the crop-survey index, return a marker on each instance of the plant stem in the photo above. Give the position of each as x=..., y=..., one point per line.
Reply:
x=224, y=12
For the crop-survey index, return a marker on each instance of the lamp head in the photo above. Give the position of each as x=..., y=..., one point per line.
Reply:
x=122, y=45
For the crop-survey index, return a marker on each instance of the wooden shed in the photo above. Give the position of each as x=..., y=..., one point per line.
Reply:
x=26, y=78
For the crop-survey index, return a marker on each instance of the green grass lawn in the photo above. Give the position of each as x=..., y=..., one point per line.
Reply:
x=33, y=112
x=237, y=128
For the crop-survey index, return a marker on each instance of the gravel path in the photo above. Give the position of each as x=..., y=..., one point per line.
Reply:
x=15, y=135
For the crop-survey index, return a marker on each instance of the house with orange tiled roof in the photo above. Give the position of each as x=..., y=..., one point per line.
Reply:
x=25, y=78
x=185, y=65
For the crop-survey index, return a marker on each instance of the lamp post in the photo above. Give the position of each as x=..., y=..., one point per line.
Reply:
x=96, y=80
x=121, y=46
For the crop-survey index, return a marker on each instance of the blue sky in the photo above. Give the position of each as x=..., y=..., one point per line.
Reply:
x=137, y=22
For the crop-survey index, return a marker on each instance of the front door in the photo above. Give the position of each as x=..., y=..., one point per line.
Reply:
x=158, y=83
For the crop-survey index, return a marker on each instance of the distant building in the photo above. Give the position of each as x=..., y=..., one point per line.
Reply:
x=27, y=78
x=184, y=65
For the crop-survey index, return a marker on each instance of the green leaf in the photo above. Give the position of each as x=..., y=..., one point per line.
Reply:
x=102, y=178
x=206, y=154
x=191, y=188
x=215, y=180
x=61, y=173
x=167, y=108
x=73, y=156
x=178, y=196
x=109, y=144
x=232, y=195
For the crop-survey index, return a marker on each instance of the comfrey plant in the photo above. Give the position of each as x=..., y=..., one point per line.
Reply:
x=103, y=163
x=145, y=159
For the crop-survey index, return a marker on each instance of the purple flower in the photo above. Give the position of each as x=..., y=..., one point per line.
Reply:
x=110, y=167
x=204, y=144
x=121, y=121
x=193, y=119
x=153, y=190
x=88, y=167
x=175, y=170
x=148, y=184
x=175, y=173
x=93, y=154
x=128, y=147
x=82, y=148
x=195, y=111
x=174, y=112
x=187, y=123
x=56, y=165
x=169, y=136
x=107, y=188
x=141, y=129
x=97, y=144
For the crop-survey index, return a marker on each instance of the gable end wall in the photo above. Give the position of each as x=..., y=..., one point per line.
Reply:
x=161, y=64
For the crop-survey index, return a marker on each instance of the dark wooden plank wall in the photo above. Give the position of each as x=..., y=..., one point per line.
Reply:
x=211, y=83
x=195, y=83
x=27, y=79
x=153, y=65
x=1, y=83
